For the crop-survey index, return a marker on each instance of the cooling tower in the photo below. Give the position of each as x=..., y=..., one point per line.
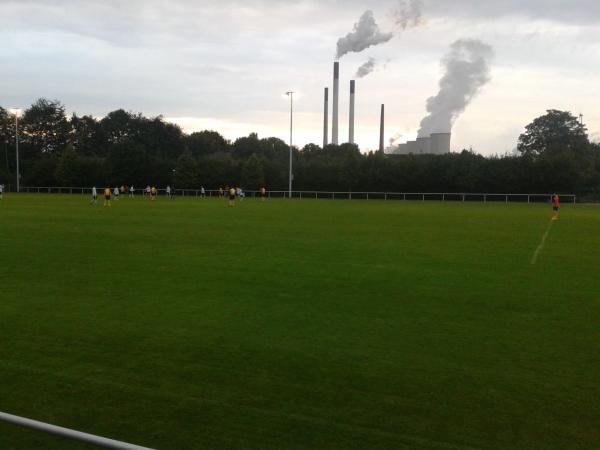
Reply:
x=382, y=129
x=423, y=145
x=440, y=143
x=351, y=125
x=326, y=119
x=336, y=91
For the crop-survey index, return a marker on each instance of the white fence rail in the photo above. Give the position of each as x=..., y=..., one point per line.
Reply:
x=338, y=195
x=69, y=434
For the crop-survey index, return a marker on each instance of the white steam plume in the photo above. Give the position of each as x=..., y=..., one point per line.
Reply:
x=395, y=139
x=366, y=68
x=467, y=70
x=409, y=14
x=366, y=34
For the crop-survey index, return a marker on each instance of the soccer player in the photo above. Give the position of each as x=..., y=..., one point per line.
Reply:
x=94, y=199
x=231, y=196
x=153, y=192
x=263, y=193
x=555, y=206
x=240, y=194
x=107, y=197
x=1, y=191
x=202, y=192
x=122, y=189
x=169, y=192
x=131, y=191
x=148, y=191
x=116, y=192
x=220, y=192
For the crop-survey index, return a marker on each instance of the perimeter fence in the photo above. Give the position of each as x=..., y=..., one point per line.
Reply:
x=332, y=195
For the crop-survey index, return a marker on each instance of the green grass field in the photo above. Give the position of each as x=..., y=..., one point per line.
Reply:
x=300, y=324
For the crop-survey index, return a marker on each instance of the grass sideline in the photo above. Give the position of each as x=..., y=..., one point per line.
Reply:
x=300, y=324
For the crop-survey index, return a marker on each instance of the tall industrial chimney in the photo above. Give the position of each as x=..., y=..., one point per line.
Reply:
x=382, y=129
x=336, y=92
x=351, y=127
x=326, y=119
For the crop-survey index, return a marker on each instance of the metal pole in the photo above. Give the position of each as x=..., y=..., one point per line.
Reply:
x=291, y=95
x=382, y=129
x=17, y=145
x=67, y=433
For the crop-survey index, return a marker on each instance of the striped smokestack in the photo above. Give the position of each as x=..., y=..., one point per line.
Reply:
x=351, y=127
x=336, y=91
x=382, y=129
x=326, y=119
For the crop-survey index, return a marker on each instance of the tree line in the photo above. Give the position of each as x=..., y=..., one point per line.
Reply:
x=554, y=154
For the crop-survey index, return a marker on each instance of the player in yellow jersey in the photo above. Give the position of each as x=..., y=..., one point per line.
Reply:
x=107, y=197
x=231, y=196
x=153, y=192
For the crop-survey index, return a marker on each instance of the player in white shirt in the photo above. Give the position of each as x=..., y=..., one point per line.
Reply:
x=116, y=193
x=240, y=194
x=131, y=191
x=94, y=199
x=148, y=191
x=169, y=192
x=1, y=191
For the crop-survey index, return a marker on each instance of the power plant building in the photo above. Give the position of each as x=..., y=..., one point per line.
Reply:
x=436, y=144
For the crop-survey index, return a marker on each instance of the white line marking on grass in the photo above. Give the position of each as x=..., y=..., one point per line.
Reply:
x=541, y=246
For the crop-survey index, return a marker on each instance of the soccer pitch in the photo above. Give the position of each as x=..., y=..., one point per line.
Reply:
x=300, y=324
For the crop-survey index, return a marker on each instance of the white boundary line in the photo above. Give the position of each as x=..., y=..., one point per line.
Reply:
x=541, y=246
x=67, y=433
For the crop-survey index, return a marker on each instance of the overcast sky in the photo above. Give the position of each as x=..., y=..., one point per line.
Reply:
x=225, y=64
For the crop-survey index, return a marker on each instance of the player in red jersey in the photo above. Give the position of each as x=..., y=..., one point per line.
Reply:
x=555, y=206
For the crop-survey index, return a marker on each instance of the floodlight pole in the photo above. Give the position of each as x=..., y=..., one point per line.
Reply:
x=290, y=94
x=17, y=147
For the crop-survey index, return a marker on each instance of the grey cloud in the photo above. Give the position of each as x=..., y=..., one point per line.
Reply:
x=574, y=11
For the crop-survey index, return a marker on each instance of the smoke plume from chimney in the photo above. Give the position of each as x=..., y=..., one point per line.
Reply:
x=366, y=34
x=467, y=69
x=366, y=68
x=409, y=14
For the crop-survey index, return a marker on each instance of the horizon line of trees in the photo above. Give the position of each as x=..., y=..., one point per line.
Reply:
x=554, y=155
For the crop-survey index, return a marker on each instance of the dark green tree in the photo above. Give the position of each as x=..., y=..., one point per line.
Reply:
x=206, y=143
x=129, y=163
x=44, y=129
x=69, y=168
x=121, y=125
x=87, y=136
x=186, y=172
x=553, y=132
x=246, y=146
x=253, y=175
